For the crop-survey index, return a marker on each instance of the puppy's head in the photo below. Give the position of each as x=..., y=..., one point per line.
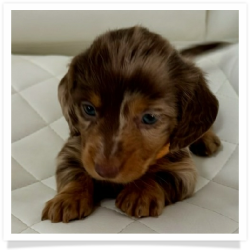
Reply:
x=127, y=96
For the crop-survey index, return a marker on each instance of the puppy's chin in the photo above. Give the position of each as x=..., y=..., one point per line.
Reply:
x=132, y=169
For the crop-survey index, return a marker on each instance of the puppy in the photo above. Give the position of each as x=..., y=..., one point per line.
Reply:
x=134, y=105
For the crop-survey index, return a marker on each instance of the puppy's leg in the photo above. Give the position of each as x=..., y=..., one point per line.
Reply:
x=177, y=176
x=172, y=179
x=75, y=187
x=208, y=144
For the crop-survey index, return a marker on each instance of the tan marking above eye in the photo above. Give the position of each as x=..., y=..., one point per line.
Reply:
x=135, y=104
x=95, y=100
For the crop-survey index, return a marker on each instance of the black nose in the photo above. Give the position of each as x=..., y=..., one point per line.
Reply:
x=106, y=171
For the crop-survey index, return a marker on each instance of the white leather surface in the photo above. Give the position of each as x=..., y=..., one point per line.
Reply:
x=39, y=131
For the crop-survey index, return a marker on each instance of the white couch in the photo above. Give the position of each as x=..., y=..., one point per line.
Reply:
x=39, y=130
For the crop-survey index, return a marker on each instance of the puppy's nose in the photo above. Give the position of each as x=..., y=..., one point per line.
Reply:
x=106, y=171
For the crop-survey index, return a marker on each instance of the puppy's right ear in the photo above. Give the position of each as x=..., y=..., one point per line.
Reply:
x=67, y=105
x=197, y=105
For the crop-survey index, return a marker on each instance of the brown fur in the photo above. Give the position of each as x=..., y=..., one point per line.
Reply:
x=126, y=74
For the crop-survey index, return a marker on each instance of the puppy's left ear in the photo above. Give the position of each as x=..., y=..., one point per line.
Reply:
x=197, y=106
x=67, y=105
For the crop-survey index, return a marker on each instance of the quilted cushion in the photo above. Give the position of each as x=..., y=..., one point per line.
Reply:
x=39, y=131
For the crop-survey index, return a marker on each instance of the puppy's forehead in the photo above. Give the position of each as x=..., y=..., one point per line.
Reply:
x=137, y=97
x=125, y=61
x=130, y=103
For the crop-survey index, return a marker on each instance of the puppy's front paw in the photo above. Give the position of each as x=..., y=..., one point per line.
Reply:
x=67, y=206
x=141, y=199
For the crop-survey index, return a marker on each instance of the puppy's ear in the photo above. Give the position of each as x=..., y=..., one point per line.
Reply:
x=197, y=106
x=67, y=104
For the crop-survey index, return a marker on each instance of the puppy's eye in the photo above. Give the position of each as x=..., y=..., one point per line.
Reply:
x=89, y=109
x=149, y=119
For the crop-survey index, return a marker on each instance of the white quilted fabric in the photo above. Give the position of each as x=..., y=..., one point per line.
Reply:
x=39, y=131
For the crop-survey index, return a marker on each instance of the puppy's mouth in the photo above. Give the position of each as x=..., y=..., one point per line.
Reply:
x=111, y=169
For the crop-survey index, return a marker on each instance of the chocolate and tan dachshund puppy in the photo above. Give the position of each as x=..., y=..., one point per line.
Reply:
x=135, y=106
